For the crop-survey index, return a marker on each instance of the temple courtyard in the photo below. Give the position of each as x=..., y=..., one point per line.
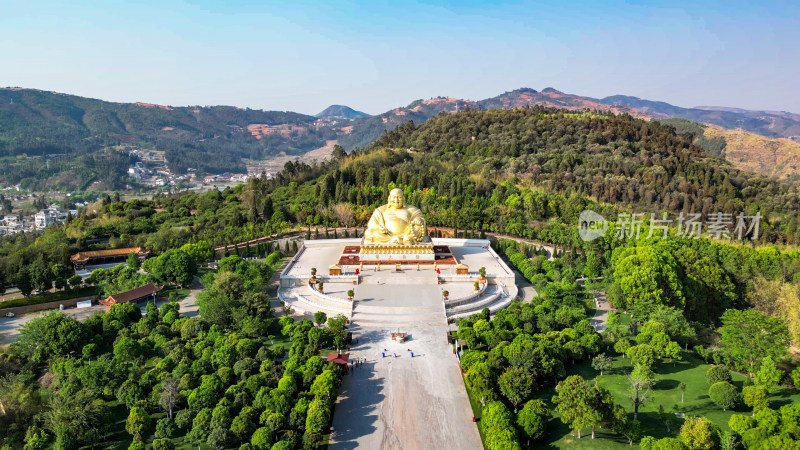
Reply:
x=398, y=401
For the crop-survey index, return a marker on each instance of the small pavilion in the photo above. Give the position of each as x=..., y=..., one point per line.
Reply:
x=340, y=358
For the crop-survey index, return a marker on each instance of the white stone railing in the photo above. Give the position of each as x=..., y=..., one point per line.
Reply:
x=311, y=302
x=342, y=277
x=329, y=298
x=291, y=263
x=472, y=276
x=477, y=306
x=468, y=298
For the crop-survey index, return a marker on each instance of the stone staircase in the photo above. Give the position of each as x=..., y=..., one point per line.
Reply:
x=495, y=297
x=307, y=302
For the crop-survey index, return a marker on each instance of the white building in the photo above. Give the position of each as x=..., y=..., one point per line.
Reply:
x=51, y=215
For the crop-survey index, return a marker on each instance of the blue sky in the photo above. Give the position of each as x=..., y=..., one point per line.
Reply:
x=373, y=56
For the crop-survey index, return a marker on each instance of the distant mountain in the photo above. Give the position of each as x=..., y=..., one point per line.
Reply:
x=368, y=130
x=51, y=140
x=776, y=124
x=341, y=112
x=211, y=139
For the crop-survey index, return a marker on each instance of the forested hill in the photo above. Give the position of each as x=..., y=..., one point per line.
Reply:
x=73, y=141
x=213, y=139
x=341, y=111
x=613, y=159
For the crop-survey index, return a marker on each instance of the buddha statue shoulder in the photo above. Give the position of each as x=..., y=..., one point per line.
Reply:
x=396, y=223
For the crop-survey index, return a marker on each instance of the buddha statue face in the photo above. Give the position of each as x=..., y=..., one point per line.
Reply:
x=396, y=199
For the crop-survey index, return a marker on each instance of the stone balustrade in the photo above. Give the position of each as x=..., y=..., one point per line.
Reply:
x=468, y=298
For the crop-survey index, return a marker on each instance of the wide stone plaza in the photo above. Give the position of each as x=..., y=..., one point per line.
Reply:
x=396, y=402
x=409, y=393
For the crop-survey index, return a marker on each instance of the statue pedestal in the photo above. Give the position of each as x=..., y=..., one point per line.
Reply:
x=412, y=253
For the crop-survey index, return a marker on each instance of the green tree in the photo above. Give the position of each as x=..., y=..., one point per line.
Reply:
x=165, y=428
x=594, y=265
x=219, y=303
x=573, y=403
x=641, y=380
x=137, y=422
x=479, y=378
x=41, y=276
x=73, y=418
x=318, y=417
x=496, y=422
x=23, y=282
x=641, y=355
x=219, y=438
x=75, y=281
x=320, y=318
x=622, y=346
x=174, y=265
x=651, y=443
x=755, y=397
x=515, y=385
x=200, y=251
x=170, y=394
x=337, y=326
x=533, y=418
x=133, y=262
x=601, y=362
x=796, y=377
x=740, y=423
x=749, y=336
x=699, y=433
x=646, y=277
x=262, y=439
x=724, y=394
x=682, y=387
x=127, y=349
x=163, y=444
x=718, y=373
x=768, y=375
x=51, y=334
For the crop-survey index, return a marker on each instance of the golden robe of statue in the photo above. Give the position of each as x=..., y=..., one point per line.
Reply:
x=396, y=223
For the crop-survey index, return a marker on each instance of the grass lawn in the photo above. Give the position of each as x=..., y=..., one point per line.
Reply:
x=181, y=292
x=665, y=392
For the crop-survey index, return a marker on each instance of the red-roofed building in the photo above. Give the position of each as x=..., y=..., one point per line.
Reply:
x=146, y=292
x=340, y=358
x=81, y=259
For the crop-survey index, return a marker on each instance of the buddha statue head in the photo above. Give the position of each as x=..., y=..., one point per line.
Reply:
x=396, y=199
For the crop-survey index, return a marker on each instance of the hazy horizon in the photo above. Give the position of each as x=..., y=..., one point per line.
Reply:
x=371, y=57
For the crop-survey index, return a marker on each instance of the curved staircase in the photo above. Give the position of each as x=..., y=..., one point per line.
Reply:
x=494, y=297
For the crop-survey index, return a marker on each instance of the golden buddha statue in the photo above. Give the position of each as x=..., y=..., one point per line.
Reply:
x=396, y=223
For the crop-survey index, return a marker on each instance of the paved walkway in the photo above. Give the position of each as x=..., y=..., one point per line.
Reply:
x=188, y=306
x=600, y=319
x=403, y=402
x=526, y=290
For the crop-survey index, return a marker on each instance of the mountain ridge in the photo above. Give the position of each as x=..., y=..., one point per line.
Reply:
x=341, y=111
x=214, y=139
